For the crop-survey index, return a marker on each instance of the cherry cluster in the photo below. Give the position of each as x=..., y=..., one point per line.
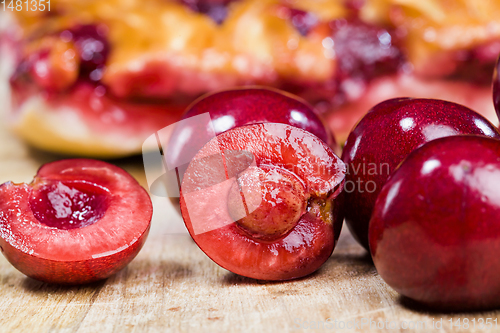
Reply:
x=266, y=195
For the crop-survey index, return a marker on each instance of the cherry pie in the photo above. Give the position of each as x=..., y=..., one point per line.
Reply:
x=96, y=77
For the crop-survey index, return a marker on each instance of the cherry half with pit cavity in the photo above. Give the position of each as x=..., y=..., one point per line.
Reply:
x=262, y=201
x=77, y=222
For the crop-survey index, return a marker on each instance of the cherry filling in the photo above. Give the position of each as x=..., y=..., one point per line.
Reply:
x=58, y=61
x=65, y=205
x=476, y=65
x=363, y=50
x=215, y=9
x=93, y=49
x=303, y=21
x=274, y=200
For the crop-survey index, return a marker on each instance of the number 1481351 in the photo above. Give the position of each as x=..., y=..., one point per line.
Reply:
x=26, y=5
x=481, y=323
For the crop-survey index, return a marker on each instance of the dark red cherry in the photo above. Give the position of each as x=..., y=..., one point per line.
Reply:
x=385, y=136
x=79, y=221
x=435, y=232
x=496, y=87
x=216, y=9
x=218, y=112
x=261, y=201
x=363, y=50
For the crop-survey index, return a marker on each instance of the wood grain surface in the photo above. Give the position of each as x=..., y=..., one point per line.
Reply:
x=171, y=286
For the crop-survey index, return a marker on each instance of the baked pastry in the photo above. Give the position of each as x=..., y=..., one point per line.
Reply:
x=97, y=77
x=450, y=48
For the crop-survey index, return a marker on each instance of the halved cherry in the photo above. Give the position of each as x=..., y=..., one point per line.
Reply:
x=79, y=221
x=218, y=112
x=238, y=107
x=260, y=200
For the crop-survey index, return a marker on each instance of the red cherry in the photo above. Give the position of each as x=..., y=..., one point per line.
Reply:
x=259, y=200
x=385, y=136
x=218, y=112
x=435, y=232
x=237, y=107
x=78, y=221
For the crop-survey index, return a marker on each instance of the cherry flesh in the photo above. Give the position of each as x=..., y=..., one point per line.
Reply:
x=232, y=108
x=261, y=201
x=79, y=221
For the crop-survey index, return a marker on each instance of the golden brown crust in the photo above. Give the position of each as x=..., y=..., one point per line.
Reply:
x=255, y=44
x=438, y=33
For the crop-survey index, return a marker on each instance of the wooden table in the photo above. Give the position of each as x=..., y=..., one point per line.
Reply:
x=171, y=286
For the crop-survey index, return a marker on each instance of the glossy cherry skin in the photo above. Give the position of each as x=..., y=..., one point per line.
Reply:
x=435, y=232
x=229, y=109
x=237, y=107
x=385, y=136
x=79, y=221
x=301, y=178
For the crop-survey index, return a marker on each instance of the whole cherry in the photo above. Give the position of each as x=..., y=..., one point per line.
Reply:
x=385, y=136
x=218, y=112
x=435, y=233
x=242, y=106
